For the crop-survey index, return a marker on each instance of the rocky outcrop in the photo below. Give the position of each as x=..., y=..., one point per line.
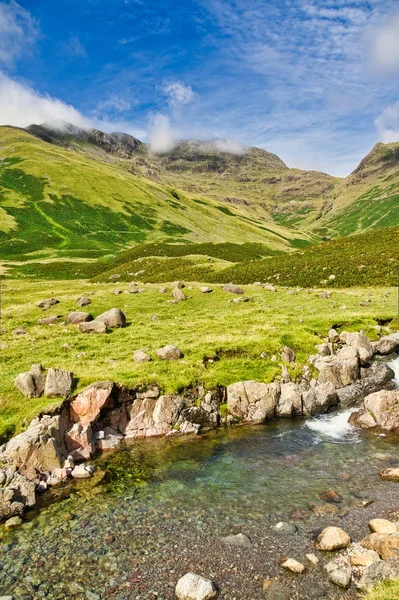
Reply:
x=319, y=399
x=252, y=401
x=341, y=369
x=387, y=345
x=16, y=493
x=380, y=409
x=372, y=380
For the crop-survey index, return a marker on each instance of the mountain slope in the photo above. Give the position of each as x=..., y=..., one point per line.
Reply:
x=54, y=202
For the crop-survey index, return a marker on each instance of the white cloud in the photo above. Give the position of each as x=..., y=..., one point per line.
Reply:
x=161, y=136
x=388, y=124
x=74, y=47
x=21, y=105
x=227, y=145
x=116, y=103
x=19, y=32
x=178, y=93
x=384, y=45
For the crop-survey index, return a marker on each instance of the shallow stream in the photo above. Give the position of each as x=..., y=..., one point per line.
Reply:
x=163, y=506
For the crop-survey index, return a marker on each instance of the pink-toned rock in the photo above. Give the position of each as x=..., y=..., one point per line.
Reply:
x=79, y=437
x=384, y=407
x=362, y=418
x=85, y=408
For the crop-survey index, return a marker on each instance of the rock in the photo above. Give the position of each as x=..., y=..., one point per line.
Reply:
x=36, y=449
x=20, y=331
x=163, y=290
x=312, y=558
x=384, y=408
x=81, y=472
x=79, y=437
x=362, y=344
x=379, y=571
x=325, y=295
x=117, y=292
x=178, y=294
x=387, y=345
x=319, y=399
x=25, y=382
x=187, y=428
x=290, y=402
x=362, y=418
x=382, y=526
x=16, y=493
x=293, y=565
x=386, y=545
x=375, y=379
x=13, y=522
x=198, y=416
x=51, y=320
x=233, y=289
x=269, y=287
x=341, y=369
x=47, y=303
x=287, y=355
x=390, y=474
x=178, y=284
x=110, y=441
x=240, y=540
x=83, y=301
x=364, y=559
x=206, y=290
x=324, y=349
x=252, y=401
x=241, y=299
x=58, y=383
x=93, y=327
x=333, y=335
x=283, y=528
x=169, y=352
x=113, y=317
x=195, y=587
x=331, y=496
x=76, y=317
x=331, y=539
x=151, y=416
x=341, y=577
x=141, y=356
x=86, y=407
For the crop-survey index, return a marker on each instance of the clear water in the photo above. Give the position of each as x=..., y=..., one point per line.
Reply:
x=165, y=505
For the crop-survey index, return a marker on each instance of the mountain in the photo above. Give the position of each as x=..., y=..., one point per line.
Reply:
x=61, y=198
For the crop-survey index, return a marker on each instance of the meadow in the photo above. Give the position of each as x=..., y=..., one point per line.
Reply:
x=222, y=341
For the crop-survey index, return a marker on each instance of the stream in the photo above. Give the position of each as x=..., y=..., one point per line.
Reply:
x=160, y=507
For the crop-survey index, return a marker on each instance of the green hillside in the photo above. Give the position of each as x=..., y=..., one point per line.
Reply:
x=57, y=203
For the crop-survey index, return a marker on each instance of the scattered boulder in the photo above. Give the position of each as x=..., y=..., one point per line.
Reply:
x=93, y=327
x=331, y=539
x=178, y=284
x=20, y=331
x=269, y=287
x=113, y=317
x=178, y=294
x=287, y=355
x=51, y=320
x=360, y=342
x=76, y=317
x=233, y=289
x=252, y=401
x=13, y=523
x=312, y=558
x=83, y=301
x=26, y=384
x=45, y=304
x=195, y=587
x=387, y=345
x=169, y=352
x=364, y=559
x=58, y=383
x=382, y=526
x=331, y=496
x=163, y=290
x=384, y=408
x=206, y=290
x=333, y=336
x=386, y=545
x=293, y=565
x=141, y=356
x=319, y=399
x=81, y=472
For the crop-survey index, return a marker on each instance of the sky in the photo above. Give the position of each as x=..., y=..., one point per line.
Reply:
x=314, y=81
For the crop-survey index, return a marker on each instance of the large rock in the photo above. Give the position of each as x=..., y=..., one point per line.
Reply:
x=195, y=587
x=341, y=577
x=379, y=571
x=25, y=382
x=233, y=289
x=383, y=406
x=76, y=317
x=287, y=355
x=382, y=526
x=290, y=401
x=152, y=417
x=387, y=345
x=86, y=407
x=390, y=474
x=93, y=327
x=169, y=352
x=50, y=320
x=16, y=493
x=47, y=303
x=387, y=545
x=375, y=378
x=178, y=294
x=58, y=383
x=319, y=399
x=36, y=450
x=252, y=401
x=341, y=369
x=83, y=301
x=331, y=539
x=141, y=356
x=113, y=317
x=360, y=342
x=79, y=436
x=363, y=419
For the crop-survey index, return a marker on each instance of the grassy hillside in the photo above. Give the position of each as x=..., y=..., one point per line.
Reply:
x=234, y=335
x=56, y=203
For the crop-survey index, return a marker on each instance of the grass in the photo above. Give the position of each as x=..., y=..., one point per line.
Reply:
x=236, y=333
x=387, y=590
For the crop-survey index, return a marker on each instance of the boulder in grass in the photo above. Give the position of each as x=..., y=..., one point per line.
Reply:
x=178, y=294
x=141, y=356
x=83, y=301
x=233, y=289
x=44, y=304
x=26, y=384
x=76, y=317
x=58, y=383
x=51, y=320
x=178, y=284
x=113, y=317
x=93, y=327
x=206, y=290
x=169, y=352
x=194, y=587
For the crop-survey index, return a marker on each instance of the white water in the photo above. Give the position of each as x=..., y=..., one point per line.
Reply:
x=333, y=425
x=394, y=364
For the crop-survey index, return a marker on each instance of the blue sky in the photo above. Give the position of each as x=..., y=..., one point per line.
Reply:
x=315, y=81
